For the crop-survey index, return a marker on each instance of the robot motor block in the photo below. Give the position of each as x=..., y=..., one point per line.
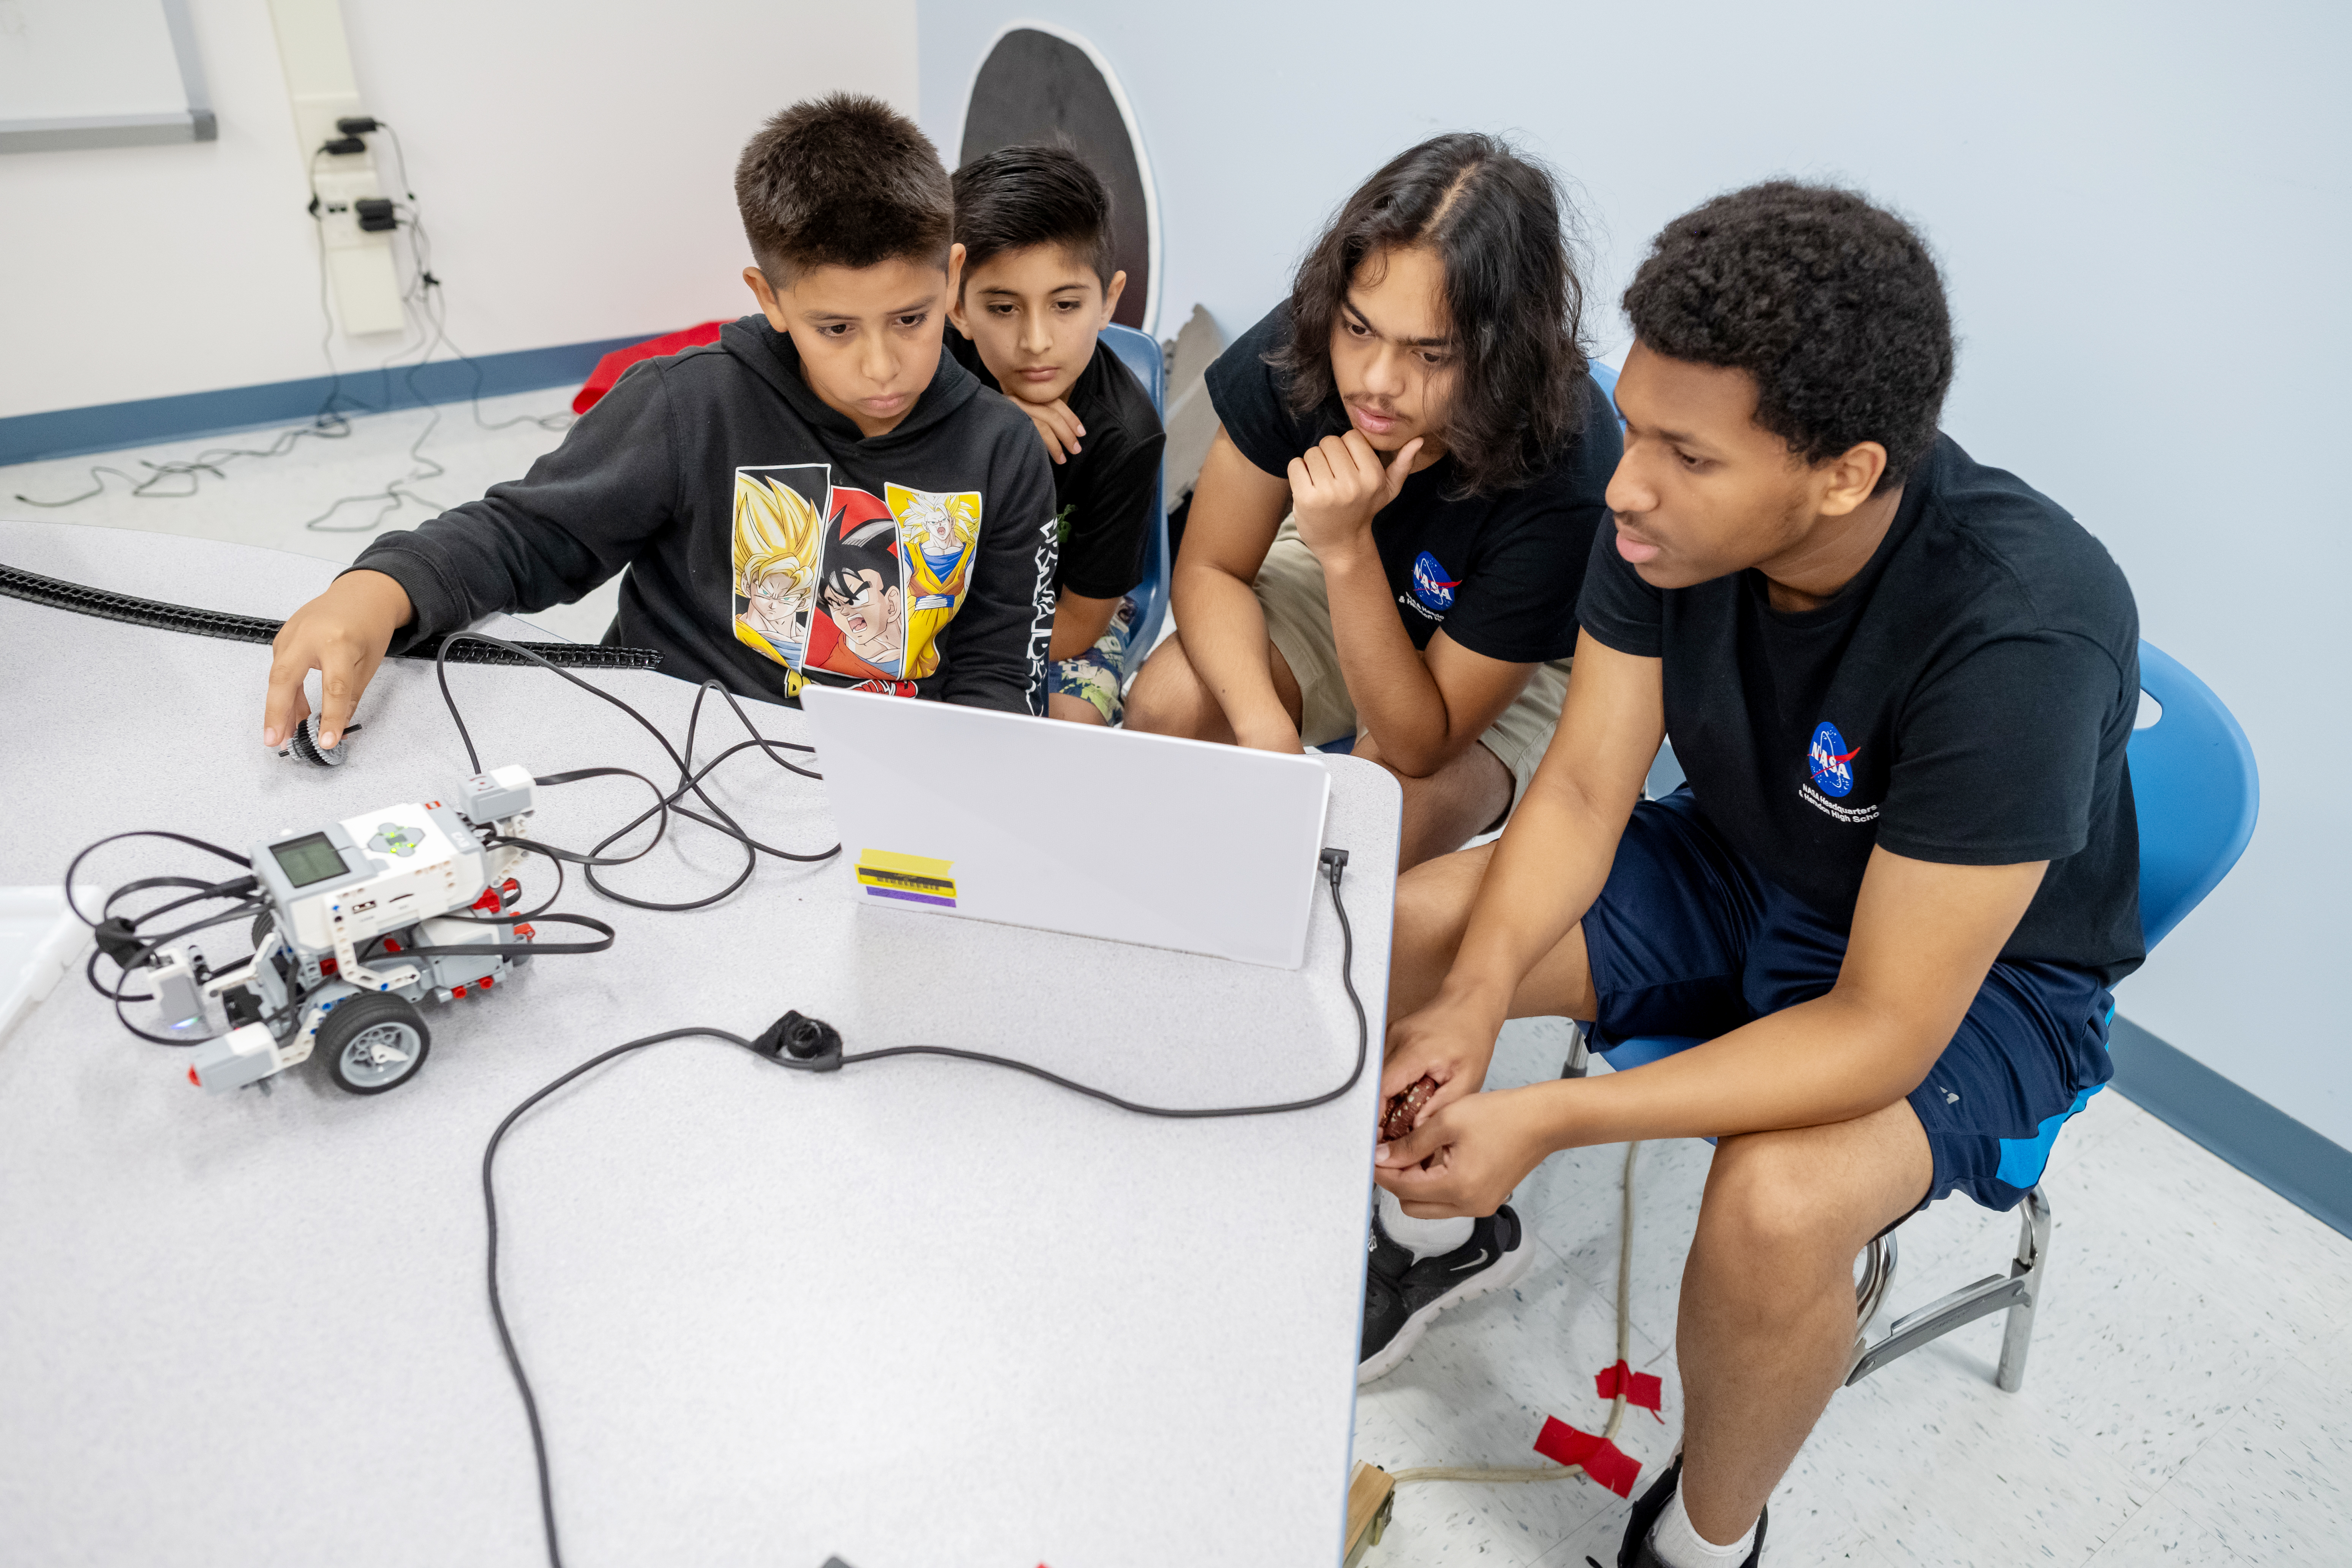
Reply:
x=335, y=971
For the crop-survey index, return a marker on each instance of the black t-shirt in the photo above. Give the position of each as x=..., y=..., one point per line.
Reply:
x=1499, y=573
x=1965, y=700
x=1102, y=492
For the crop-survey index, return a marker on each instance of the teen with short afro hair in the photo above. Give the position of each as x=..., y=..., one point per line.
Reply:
x=833, y=399
x=1892, y=897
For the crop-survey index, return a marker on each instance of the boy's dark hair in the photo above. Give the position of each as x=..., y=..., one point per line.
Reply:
x=1496, y=217
x=1833, y=305
x=1033, y=194
x=842, y=181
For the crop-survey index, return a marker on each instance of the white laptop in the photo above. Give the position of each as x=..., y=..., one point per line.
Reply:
x=1071, y=828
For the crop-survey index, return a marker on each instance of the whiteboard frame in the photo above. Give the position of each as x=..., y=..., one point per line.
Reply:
x=196, y=123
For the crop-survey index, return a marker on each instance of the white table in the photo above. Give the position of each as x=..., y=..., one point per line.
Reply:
x=917, y=1313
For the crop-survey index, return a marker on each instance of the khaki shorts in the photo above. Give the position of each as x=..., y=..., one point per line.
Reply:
x=1298, y=609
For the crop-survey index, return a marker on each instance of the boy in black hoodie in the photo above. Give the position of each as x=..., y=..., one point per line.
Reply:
x=739, y=486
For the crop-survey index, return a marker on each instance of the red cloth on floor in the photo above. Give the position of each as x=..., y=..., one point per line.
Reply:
x=608, y=369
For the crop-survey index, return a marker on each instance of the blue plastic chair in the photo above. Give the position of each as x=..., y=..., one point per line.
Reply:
x=1139, y=353
x=2196, y=793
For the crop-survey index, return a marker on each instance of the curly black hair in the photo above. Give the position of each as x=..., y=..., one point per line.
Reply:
x=842, y=181
x=1832, y=305
x=1496, y=218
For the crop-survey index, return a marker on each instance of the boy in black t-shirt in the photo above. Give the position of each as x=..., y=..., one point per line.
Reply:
x=1386, y=538
x=1037, y=287
x=1899, y=882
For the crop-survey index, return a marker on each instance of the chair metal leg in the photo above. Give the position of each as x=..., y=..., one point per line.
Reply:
x=1877, y=1279
x=1580, y=1057
x=2014, y=1292
x=2032, y=1255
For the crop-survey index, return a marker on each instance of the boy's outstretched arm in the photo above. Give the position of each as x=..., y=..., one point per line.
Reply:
x=993, y=655
x=582, y=513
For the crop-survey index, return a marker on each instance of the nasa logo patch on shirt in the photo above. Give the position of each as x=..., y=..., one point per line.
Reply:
x=1831, y=755
x=1830, y=761
x=1431, y=585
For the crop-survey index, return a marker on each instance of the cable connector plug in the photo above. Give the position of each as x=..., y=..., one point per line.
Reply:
x=812, y=1043
x=1335, y=861
x=119, y=941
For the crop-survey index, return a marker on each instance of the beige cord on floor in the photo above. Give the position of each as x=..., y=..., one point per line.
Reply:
x=1617, y=1406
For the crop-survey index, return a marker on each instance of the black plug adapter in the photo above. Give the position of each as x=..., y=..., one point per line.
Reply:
x=356, y=124
x=375, y=213
x=811, y=1042
x=118, y=940
x=343, y=146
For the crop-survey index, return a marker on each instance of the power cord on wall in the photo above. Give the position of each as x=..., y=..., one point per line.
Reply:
x=423, y=305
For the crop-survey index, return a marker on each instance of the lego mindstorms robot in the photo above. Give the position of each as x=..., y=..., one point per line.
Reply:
x=367, y=920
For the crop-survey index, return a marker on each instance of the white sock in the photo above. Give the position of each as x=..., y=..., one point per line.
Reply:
x=1423, y=1238
x=1679, y=1545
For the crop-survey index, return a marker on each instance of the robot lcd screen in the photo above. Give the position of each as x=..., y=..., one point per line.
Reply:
x=308, y=860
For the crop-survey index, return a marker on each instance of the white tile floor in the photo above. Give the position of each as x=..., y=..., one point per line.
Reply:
x=2188, y=1398
x=270, y=500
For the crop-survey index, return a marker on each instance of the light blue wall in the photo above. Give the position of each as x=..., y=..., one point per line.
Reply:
x=2143, y=212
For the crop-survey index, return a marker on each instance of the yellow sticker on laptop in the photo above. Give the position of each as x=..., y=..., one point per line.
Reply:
x=918, y=879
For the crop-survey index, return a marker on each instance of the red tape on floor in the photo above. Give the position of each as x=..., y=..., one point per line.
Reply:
x=1602, y=1459
x=1641, y=1388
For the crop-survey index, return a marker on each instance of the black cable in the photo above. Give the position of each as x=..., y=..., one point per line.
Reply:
x=689, y=782
x=1334, y=862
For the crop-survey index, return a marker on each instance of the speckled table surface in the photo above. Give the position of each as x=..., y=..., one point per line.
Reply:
x=916, y=1313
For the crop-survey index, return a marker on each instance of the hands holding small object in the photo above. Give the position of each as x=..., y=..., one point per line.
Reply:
x=343, y=634
x=1446, y=1148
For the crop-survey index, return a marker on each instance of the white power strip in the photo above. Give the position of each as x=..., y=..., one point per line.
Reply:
x=40, y=941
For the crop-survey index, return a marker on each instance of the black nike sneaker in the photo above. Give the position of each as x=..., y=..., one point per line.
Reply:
x=1635, y=1552
x=1402, y=1293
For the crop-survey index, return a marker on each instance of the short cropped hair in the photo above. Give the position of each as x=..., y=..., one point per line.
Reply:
x=1496, y=218
x=1833, y=305
x=1033, y=194
x=842, y=181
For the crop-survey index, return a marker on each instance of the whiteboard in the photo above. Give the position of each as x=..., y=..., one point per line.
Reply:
x=99, y=73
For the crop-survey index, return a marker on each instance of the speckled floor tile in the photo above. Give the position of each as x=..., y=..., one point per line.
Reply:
x=1940, y=1467
x=2272, y=1485
x=2161, y=1534
x=2147, y=1192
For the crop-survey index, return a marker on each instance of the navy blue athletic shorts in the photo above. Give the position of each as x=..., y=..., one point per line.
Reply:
x=1688, y=939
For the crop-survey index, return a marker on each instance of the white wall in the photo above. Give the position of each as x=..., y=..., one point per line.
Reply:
x=2143, y=212
x=574, y=161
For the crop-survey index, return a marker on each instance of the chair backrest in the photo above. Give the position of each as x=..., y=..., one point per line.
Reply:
x=2196, y=791
x=1143, y=355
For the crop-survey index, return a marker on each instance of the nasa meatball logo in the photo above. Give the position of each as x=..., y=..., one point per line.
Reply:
x=1431, y=585
x=1830, y=760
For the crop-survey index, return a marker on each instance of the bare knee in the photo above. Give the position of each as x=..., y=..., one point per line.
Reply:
x=1432, y=909
x=1168, y=698
x=1770, y=1208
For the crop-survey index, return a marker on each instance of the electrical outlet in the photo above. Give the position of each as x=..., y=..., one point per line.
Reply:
x=361, y=276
